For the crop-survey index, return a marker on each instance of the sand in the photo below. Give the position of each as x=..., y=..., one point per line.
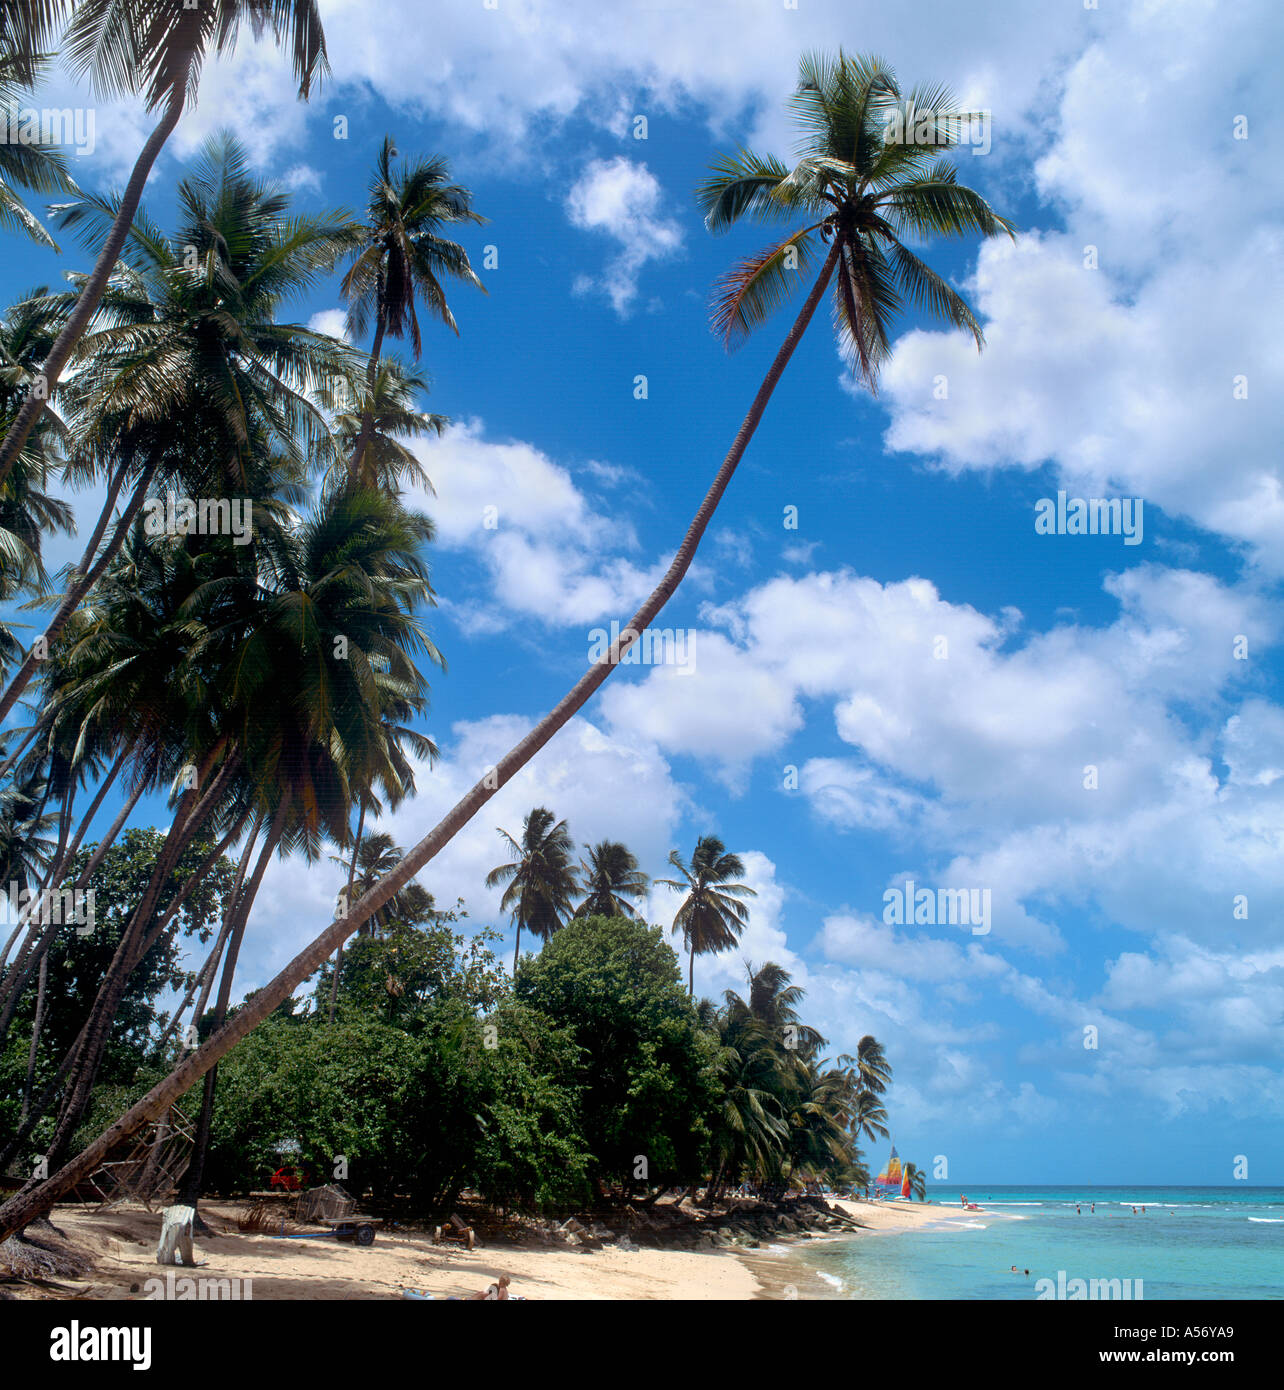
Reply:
x=123, y=1243
x=900, y=1216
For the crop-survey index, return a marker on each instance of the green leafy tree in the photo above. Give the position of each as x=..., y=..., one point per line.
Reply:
x=647, y=1069
x=79, y=957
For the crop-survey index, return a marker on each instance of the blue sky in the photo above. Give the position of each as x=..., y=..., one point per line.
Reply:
x=821, y=734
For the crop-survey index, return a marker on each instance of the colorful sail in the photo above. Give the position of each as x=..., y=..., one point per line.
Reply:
x=905, y=1184
x=891, y=1175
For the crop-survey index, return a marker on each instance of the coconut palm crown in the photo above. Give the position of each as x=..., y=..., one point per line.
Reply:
x=711, y=916
x=873, y=169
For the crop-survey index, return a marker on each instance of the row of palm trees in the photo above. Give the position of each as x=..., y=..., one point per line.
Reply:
x=541, y=879
x=860, y=198
x=785, y=1112
x=268, y=688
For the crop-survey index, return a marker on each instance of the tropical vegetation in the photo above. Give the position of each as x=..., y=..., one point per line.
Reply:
x=261, y=679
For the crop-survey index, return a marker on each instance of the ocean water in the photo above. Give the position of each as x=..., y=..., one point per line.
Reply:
x=1192, y=1243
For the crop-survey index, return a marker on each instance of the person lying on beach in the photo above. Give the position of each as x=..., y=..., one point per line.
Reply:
x=494, y=1292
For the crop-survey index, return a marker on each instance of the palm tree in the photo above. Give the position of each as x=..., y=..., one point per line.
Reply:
x=541, y=879
x=874, y=1072
x=317, y=735
x=868, y=1117
x=773, y=1002
x=189, y=329
x=28, y=511
x=710, y=918
x=917, y=1181
x=819, y=1138
x=156, y=48
x=611, y=877
x=41, y=168
x=865, y=191
x=853, y=95
x=386, y=408
x=404, y=255
x=749, y=1130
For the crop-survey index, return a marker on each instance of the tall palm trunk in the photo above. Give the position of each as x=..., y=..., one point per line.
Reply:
x=130, y=950
x=37, y=1025
x=347, y=903
x=372, y=374
x=204, y=980
x=26, y=1206
x=94, y=288
x=29, y=917
x=190, y=1190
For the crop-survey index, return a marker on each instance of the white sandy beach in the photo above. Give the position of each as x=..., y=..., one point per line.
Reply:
x=900, y=1216
x=123, y=1244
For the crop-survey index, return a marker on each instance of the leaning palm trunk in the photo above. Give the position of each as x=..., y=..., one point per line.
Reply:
x=30, y=916
x=134, y=944
x=37, y=1025
x=204, y=980
x=347, y=902
x=94, y=288
x=28, y=1205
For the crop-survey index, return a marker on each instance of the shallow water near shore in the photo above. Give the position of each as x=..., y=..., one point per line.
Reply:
x=1192, y=1243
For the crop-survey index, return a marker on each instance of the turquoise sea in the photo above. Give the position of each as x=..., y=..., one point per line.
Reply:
x=1191, y=1243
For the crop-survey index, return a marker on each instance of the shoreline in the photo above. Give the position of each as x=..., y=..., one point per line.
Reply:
x=784, y=1273
x=120, y=1244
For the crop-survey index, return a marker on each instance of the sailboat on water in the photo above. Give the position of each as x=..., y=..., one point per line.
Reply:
x=893, y=1182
